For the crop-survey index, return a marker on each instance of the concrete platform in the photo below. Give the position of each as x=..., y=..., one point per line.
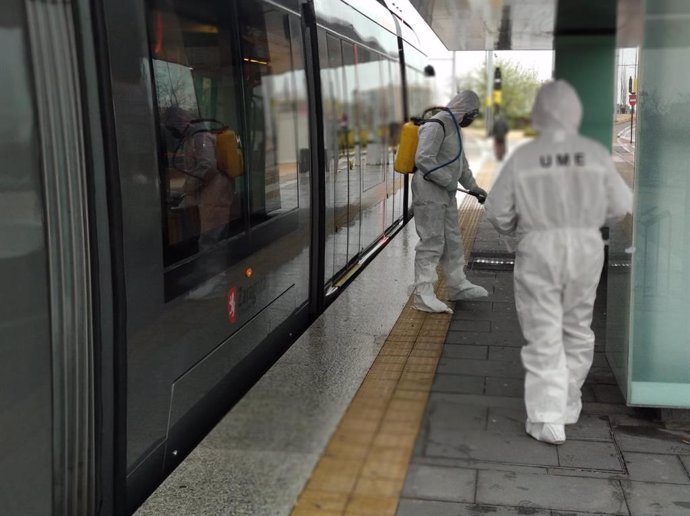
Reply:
x=382, y=410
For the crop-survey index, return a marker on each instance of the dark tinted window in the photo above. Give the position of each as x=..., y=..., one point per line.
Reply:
x=201, y=158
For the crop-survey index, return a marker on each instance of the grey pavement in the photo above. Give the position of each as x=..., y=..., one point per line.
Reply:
x=473, y=457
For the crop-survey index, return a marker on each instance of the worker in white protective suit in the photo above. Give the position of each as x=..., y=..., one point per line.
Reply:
x=554, y=194
x=441, y=164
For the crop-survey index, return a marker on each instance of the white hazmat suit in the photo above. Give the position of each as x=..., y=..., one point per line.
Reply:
x=555, y=194
x=436, y=208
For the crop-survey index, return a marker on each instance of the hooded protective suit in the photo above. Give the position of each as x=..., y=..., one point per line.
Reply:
x=554, y=194
x=436, y=209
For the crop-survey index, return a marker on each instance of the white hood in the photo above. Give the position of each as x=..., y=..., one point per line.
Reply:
x=464, y=102
x=557, y=107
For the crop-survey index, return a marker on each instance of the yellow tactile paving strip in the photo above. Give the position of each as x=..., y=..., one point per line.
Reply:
x=363, y=468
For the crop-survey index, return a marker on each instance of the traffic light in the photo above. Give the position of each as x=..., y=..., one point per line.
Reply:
x=497, y=79
x=498, y=83
x=630, y=84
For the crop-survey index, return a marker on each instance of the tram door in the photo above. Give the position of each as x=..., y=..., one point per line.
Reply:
x=345, y=142
x=216, y=213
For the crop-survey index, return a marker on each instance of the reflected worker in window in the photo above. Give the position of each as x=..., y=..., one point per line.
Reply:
x=205, y=186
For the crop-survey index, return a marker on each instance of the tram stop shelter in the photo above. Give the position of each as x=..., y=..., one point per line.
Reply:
x=648, y=285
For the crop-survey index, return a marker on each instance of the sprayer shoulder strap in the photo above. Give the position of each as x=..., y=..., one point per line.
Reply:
x=436, y=120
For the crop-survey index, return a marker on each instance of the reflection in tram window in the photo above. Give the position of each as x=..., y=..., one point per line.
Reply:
x=372, y=104
x=201, y=155
x=270, y=84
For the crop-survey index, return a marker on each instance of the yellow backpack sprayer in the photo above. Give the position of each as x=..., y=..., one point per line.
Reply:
x=409, y=139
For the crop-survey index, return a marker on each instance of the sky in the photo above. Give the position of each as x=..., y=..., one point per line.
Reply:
x=467, y=61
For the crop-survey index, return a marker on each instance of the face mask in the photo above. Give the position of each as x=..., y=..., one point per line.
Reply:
x=469, y=118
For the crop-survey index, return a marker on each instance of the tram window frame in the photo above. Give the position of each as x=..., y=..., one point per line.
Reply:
x=256, y=60
x=201, y=132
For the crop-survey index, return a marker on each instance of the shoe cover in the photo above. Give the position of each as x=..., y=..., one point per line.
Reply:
x=546, y=432
x=430, y=303
x=467, y=291
x=572, y=412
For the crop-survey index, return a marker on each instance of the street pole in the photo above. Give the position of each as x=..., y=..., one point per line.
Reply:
x=632, y=115
x=454, y=82
x=489, y=90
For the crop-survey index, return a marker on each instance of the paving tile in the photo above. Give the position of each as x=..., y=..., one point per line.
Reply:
x=339, y=475
x=476, y=307
x=502, y=306
x=384, y=470
x=485, y=446
x=608, y=394
x=589, y=455
x=601, y=375
x=511, y=354
x=506, y=420
x=483, y=339
x=480, y=367
x=587, y=393
x=550, y=492
x=647, y=467
x=470, y=325
x=686, y=463
x=506, y=325
x=314, y=500
x=378, y=487
x=514, y=387
x=442, y=413
x=600, y=360
x=412, y=507
x=478, y=400
x=646, y=499
x=473, y=352
x=458, y=383
x=451, y=462
x=590, y=427
x=649, y=440
x=439, y=483
x=372, y=505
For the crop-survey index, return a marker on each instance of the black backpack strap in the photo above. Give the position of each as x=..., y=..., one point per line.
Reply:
x=438, y=122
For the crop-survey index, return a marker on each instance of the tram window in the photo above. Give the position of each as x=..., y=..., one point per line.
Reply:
x=270, y=79
x=200, y=149
x=372, y=101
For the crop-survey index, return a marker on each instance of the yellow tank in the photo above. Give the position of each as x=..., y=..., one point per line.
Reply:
x=229, y=153
x=404, y=159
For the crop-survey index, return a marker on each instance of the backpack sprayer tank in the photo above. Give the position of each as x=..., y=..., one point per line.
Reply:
x=409, y=138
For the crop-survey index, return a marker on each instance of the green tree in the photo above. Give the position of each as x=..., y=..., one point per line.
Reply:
x=520, y=86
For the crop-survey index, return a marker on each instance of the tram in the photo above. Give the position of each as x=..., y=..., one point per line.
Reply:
x=186, y=185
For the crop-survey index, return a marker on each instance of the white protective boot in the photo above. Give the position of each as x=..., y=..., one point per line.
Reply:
x=572, y=411
x=425, y=300
x=546, y=432
x=467, y=291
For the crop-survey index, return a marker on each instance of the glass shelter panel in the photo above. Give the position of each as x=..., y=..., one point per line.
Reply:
x=659, y=372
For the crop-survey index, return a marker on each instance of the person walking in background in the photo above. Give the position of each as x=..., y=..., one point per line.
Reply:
x=500, y=131
x=555, y=194
x=441, y=164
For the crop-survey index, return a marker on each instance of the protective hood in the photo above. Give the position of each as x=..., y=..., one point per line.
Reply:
x=557, y=107
x=464, y=102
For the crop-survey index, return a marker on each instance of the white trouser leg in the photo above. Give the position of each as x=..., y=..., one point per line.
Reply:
x=429, y=226
x=538, y=303
x=578, y=337
x=453, y=257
